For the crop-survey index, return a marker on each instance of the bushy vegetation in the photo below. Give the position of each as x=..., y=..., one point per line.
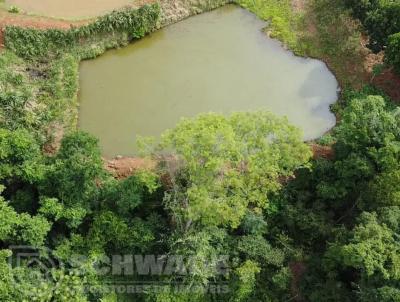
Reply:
x=39, y=70
x=393, y=51
x=294, y=227
x=242, y=186
x=381, y=20
x=69, y=203
x=283, y=21
x=322, y=29
x=357, y=258
x=33, y=43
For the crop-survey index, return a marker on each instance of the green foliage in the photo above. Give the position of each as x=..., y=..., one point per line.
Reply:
x=54, y=210
x=76, y=172
x=258, y=249
x=63, y=78
x=283, y=21
x=326, y=140
x=361, y=8
x=372, y=250
x=230, y=164
x=384, y=190
x=35, y=96
x=253, y=223
x=32, y=43
x=113, y=233
x=14, y=9
x=67, y=204
x=381, y=20
x=351, y=254
x=223, y=172
x=367, y=124
x=325, y=232
x=21, y=228
x=126, y=195
x=380, y=17
x=27, y=284
x=246, y=279
x=15, y=91
x=21, y=158
x=393, y=51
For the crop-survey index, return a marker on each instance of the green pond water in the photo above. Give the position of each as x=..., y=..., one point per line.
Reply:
x=70, y=9
x=220, y=61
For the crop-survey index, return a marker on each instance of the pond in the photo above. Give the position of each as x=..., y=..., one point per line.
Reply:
x=220, y=61
x=69, y=9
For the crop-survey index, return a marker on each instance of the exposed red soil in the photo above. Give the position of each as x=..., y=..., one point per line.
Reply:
x=389, y=82
x=298, y=269
x=320, y=151
x=123, y=167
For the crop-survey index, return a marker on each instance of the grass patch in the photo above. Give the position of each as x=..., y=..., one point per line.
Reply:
x=322, y=29
x=330, y=33
x=284, y=22
x=34, y=95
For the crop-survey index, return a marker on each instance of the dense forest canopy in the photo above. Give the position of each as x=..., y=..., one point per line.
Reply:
x=381, y=19
x=235, y=208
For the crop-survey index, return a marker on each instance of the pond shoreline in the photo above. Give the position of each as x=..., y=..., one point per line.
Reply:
x=220, y=62
x=172, y=12
x=182, y=12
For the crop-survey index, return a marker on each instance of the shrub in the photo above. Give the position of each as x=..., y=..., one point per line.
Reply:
x=31, y=43
x=379, y=17
x=14, y=9
x=383, y=22
x=360, y=8
x=393, y=51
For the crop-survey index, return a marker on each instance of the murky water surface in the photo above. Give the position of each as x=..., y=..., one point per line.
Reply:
x=219, y=61
x=70, y=9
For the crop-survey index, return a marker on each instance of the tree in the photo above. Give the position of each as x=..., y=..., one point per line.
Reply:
x=73, y=180
x=393, y=51
x=21, y=228
x=382, y=21
x=384, y=191
x=21, y=158
x=223, y=172
x=367, y=124
x=373, y=251
x=226, y=164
